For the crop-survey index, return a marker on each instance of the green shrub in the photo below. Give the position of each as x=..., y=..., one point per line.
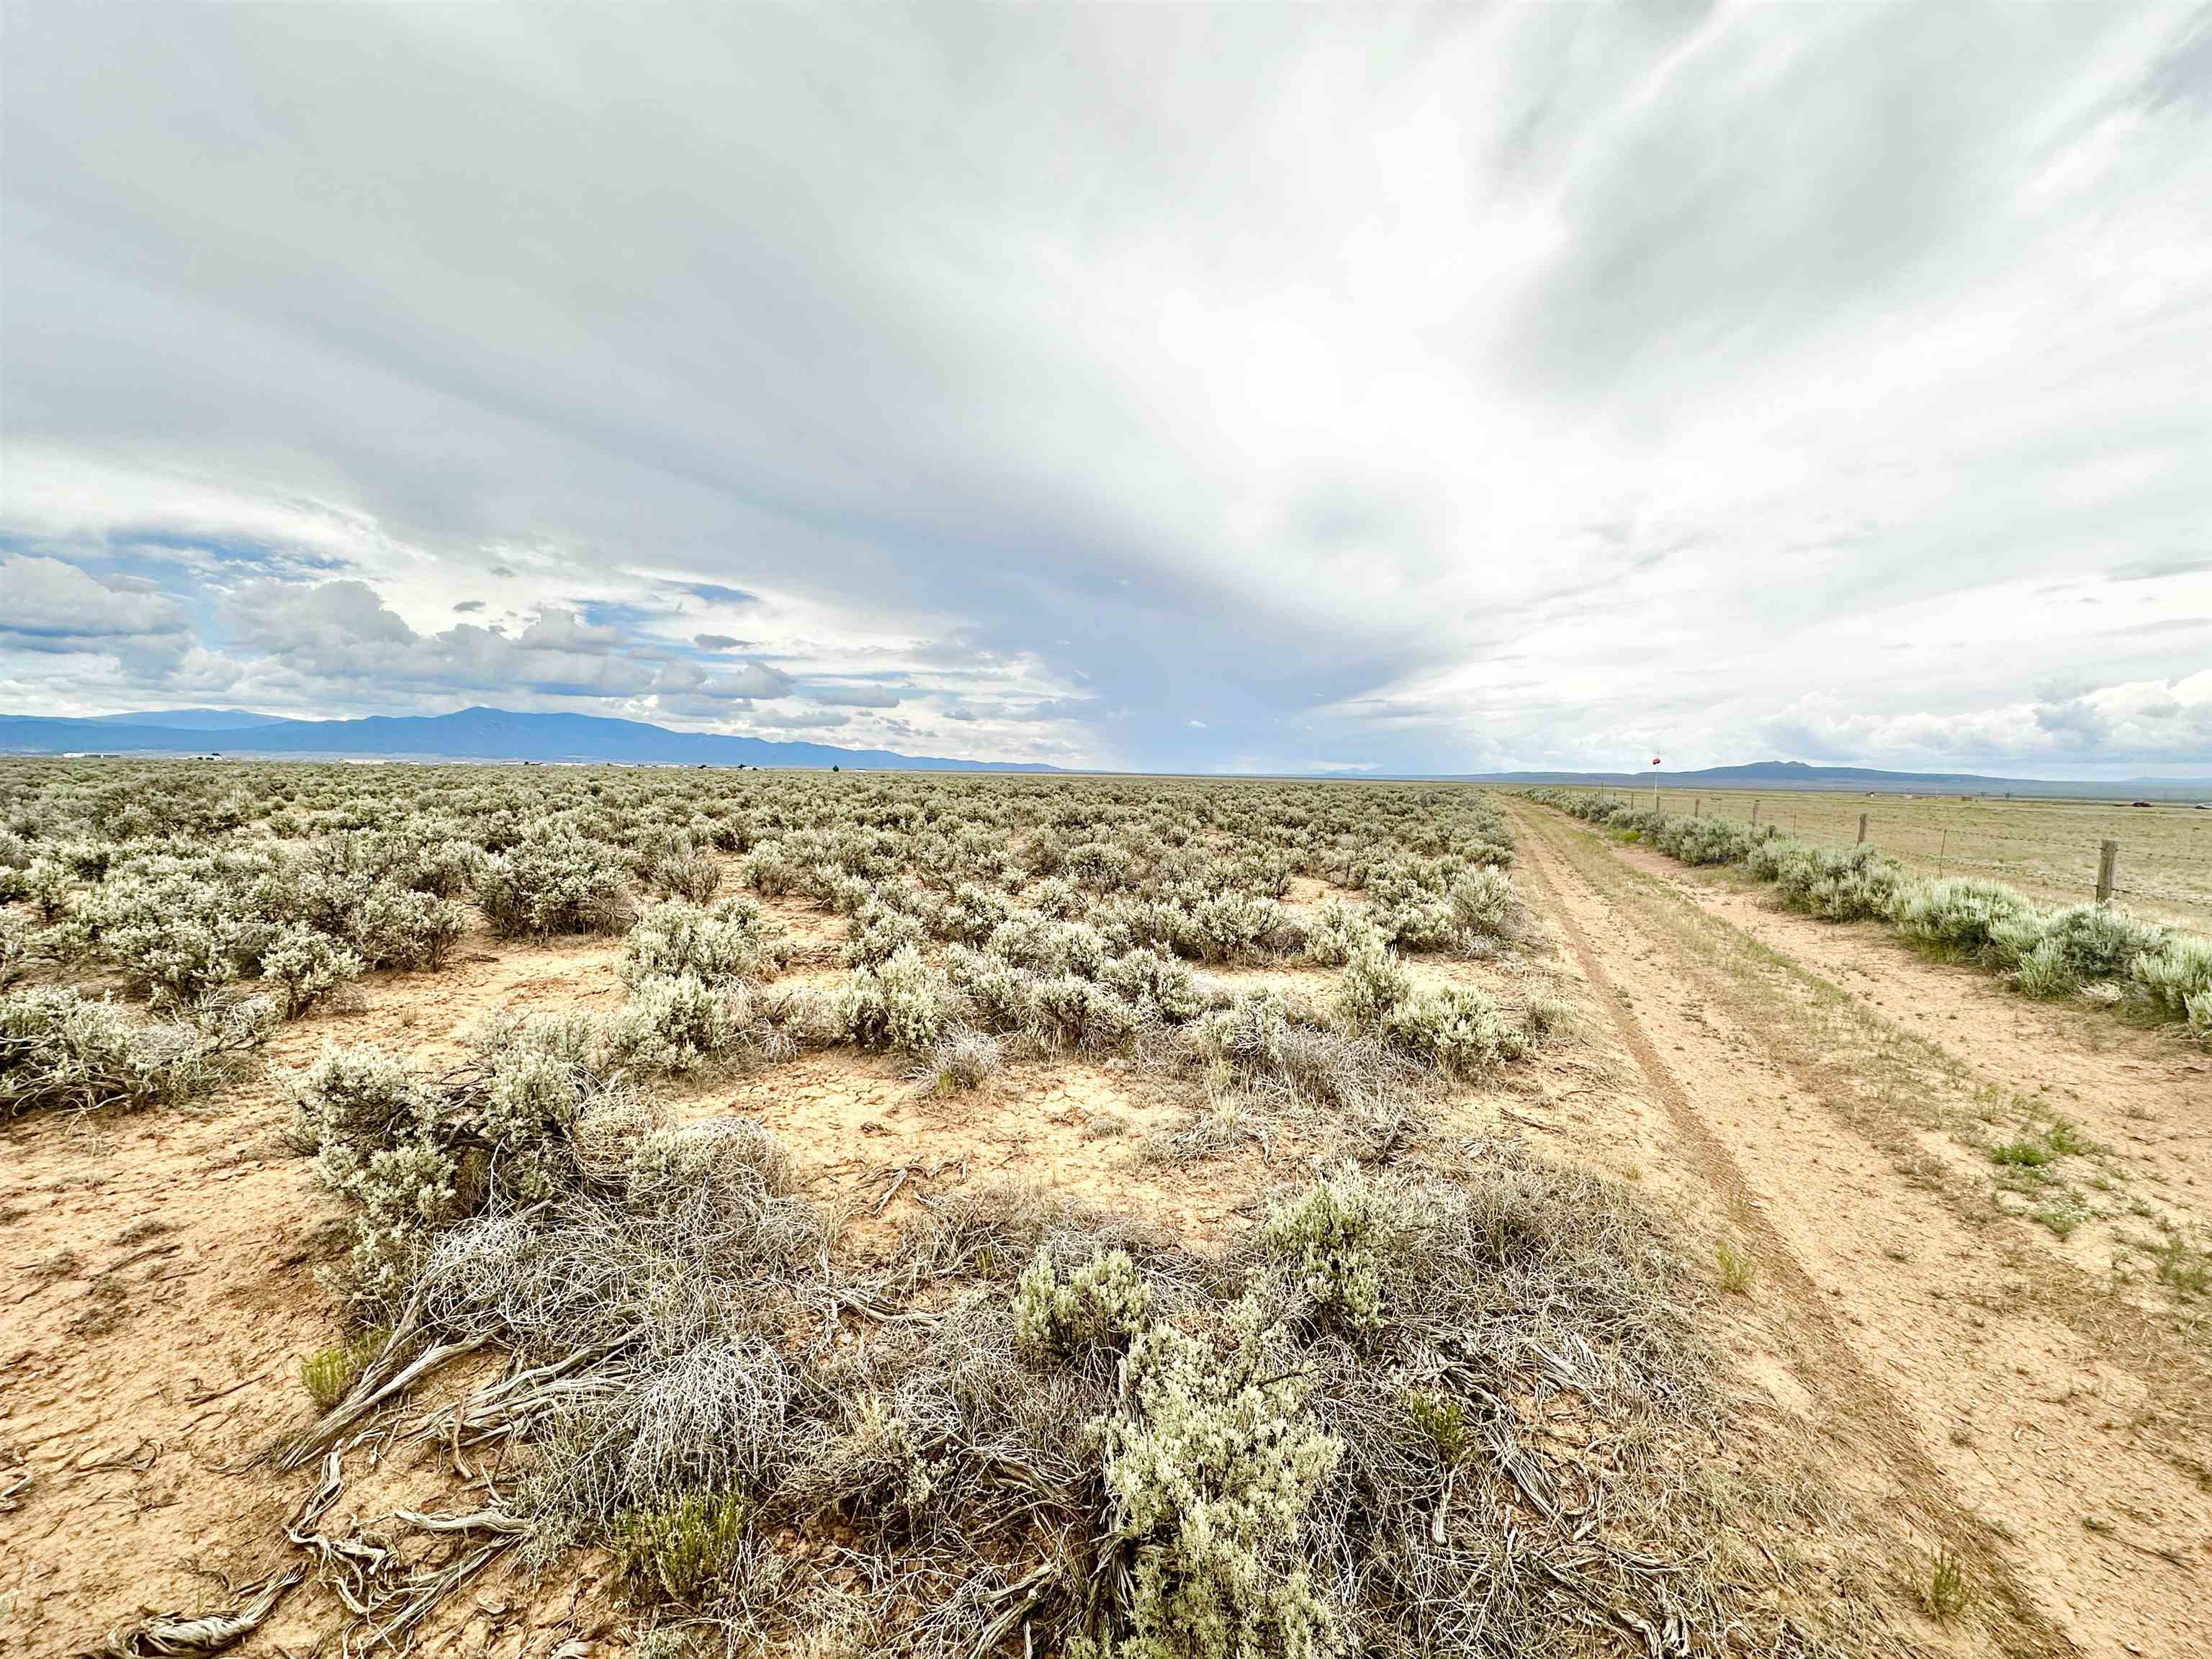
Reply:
x=329, y=1374
x=678, y=1553
x=1737, y=1268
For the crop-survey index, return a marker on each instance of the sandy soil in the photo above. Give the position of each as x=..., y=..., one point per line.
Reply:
x=161, y=1293
x=2043, y=1428
x=1949, y=1374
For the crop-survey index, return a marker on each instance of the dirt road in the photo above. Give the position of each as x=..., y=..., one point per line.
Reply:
x=2046, y=1419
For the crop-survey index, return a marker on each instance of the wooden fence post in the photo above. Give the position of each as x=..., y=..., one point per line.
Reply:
x=1754, y=815
x=1697, y=806
x=1862, y=841
x=2108, y=854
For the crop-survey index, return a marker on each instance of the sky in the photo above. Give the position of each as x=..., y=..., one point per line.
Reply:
x=1374, y=389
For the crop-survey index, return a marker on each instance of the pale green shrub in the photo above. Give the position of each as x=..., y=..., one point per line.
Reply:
x=1455, y=1028
x=1149, y=979
x=878, y=933
x=1067, y=1009
x=1209, y=1478
x=395, y=926
x=1102, y=1304
x=554, y=881
x=963, y=1060
x=306, y=966
x=1838, y=883
x=671, y=1022
x=532, y=1102
x=60, y=1050
x=1337, y=933
x=974, y=912
x=725, y=945
x=404, y=1193
x=2097, y=941
x=1485, y=905
x=1331, y=1242
x=676, y=1553
x=769, y=871
x=1374, y=982
x=168, y=932
x=690, y=873
x=903, y=1003
x=1959, y=916
x=2176, y=980
x=47, y=883
x=1234, y=926
x=1056, y=898
x=21, y=944
x=352, y=1101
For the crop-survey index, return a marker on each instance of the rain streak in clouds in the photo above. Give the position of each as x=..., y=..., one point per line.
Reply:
x=1229, y=389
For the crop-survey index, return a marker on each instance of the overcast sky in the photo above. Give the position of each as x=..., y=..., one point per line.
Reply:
x=1252, y=388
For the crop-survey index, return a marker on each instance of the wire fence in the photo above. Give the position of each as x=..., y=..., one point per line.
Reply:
x=2050, y=849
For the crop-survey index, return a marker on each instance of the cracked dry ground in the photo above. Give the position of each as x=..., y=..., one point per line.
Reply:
x=2040, y=1405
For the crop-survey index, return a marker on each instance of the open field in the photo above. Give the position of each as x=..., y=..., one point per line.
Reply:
x=2047, y=848
x=606, y=1210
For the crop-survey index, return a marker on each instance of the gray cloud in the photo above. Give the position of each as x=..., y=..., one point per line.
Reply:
x=1422, y=391
x=857, y=696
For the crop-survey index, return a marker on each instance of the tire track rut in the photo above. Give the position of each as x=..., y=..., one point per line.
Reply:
x=1902, y=1319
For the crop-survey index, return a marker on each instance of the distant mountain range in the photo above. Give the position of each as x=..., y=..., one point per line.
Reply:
x=480, y=734
x=1797, y=774
x=495, y=735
